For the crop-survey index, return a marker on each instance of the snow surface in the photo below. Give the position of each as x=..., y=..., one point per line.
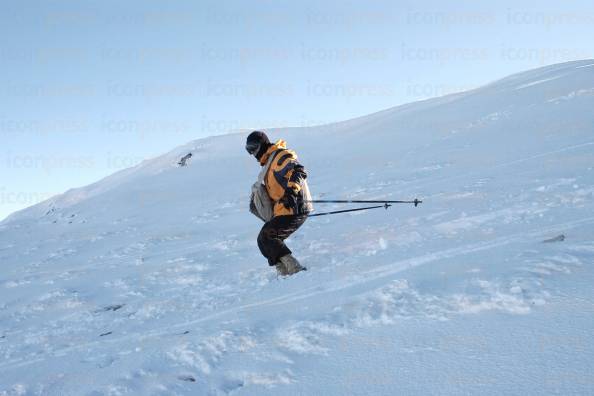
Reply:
x=150, y=281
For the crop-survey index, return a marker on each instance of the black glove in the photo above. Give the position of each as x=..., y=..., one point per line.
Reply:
x=291, y=199
x=299, y=174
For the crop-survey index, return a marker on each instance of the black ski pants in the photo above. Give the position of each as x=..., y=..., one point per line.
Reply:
x=271, y=239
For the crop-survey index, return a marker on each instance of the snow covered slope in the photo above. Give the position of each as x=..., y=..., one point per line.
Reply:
x=150, y=281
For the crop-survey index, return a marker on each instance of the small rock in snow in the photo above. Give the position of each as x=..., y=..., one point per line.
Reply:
x=558, y=238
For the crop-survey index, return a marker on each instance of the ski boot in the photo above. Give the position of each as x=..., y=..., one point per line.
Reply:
x=289, y=265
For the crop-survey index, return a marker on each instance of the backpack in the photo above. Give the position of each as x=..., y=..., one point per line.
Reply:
x=260, y=203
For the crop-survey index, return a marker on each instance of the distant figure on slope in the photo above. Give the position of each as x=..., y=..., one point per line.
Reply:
x=280, y=198
x=183, y=161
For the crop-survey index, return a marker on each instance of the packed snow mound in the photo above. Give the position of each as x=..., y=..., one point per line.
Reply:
x=150, y=280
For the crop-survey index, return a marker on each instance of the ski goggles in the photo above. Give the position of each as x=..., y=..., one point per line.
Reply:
x=252, y=147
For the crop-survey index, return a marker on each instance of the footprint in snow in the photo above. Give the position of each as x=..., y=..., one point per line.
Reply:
x=187, y=378
x=231, y=385
x=113, y=308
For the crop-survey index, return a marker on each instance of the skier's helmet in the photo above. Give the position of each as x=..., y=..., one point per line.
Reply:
x=256, y=142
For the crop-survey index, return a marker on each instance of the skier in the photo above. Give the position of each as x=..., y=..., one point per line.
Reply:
x=184, y=160
x=280, y=198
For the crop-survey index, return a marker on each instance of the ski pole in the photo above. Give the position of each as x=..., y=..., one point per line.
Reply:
x=416, y=202
x=385, y=205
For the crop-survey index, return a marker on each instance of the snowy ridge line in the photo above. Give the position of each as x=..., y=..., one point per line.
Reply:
x=375, y=275
x=431, y=179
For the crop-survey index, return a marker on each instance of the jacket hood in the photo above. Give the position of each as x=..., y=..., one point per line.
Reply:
x=279, y=145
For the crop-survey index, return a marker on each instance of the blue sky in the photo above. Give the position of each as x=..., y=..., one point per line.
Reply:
x=91, y=87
